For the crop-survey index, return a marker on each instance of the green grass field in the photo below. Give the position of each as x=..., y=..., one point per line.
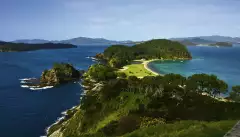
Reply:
x=185, y=129
x=137, y=70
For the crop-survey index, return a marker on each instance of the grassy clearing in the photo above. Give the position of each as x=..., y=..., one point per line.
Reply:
x=185, y=129
x=137, y=70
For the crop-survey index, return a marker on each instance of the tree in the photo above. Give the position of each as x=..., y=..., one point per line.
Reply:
x=174, y=80
x=235, y=94
x=206, y=83
x=133, y=82
x=121, y=75
x=101, y=72
x=117, y=62
x=236, y=89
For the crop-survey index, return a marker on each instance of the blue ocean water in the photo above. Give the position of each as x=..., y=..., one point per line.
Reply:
x=223, y=62
x=26, y=113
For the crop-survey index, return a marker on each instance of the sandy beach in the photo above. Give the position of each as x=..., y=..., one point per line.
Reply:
x=145, y=63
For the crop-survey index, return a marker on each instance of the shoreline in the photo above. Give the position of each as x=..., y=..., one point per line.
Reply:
x=146, y=63
x=60, y=119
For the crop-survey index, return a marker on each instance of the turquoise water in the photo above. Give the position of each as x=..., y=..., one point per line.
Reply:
x=223, y=62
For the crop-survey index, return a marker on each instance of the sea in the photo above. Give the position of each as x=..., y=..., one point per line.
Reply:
x=223, y=62
x=26, y=112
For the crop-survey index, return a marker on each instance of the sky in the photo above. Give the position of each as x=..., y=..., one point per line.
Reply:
x=117, y=19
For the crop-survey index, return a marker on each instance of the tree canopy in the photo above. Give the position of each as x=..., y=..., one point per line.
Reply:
x=119, y=55
x=101, y=72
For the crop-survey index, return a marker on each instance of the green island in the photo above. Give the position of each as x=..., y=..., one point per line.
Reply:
x=118, y=103
x=60, y=73
x=222, y=44
x=17, y=47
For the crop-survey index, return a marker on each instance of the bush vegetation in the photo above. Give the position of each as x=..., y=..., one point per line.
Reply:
x=166, y=106
x=124, y=105
x=120, y=55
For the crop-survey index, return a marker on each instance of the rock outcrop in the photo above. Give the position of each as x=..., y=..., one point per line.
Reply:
x=59, y=74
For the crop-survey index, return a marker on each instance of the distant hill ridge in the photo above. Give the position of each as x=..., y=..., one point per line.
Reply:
x=76, y=41
x=101, y=41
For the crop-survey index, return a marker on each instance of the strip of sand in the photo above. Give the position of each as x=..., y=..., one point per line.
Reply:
x=147, y=68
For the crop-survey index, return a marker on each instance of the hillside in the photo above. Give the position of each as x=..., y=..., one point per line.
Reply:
x=120, y=55
x=9, y=47
x=168, y=106
x=149, y=106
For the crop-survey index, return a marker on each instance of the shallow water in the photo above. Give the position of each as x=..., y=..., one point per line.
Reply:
x=223, y=62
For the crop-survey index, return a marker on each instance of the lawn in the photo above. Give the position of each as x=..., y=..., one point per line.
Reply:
x=137, y=70
x=185, y=129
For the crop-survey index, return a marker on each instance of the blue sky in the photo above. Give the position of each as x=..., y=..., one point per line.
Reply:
x=117, y=19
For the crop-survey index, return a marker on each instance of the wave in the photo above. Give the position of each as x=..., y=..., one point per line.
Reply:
x=93, y=58
x=26, y=79
x=196, y=59
x=59, y=119
x=41, y=88
x=36, y=87
x=31, y=83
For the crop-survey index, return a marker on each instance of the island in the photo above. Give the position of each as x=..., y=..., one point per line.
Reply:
x=199, y=41
x=117, y=104
x=222, y=44
x=17, y=47
x=60, y=73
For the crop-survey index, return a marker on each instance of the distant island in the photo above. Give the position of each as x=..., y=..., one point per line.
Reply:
x=199, y=41
x=11, y=47
x=222, y=44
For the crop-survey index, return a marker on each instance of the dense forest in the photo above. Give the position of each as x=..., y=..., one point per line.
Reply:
x=120, y=55
x=9, y=47
x=114, y=106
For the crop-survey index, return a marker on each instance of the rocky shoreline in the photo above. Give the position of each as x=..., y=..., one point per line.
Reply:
x=88, y=85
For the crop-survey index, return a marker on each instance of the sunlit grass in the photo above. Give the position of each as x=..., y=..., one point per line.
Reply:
x=137, y=70
x=185, y=129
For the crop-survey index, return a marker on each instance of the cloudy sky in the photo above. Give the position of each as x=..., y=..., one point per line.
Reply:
x=117, y=19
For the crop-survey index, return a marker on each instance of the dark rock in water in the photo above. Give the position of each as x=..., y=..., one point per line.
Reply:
x=99, y=56
x=59, y=74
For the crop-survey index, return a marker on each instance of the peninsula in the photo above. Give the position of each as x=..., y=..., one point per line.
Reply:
x=117, y=104
x=17, y=47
